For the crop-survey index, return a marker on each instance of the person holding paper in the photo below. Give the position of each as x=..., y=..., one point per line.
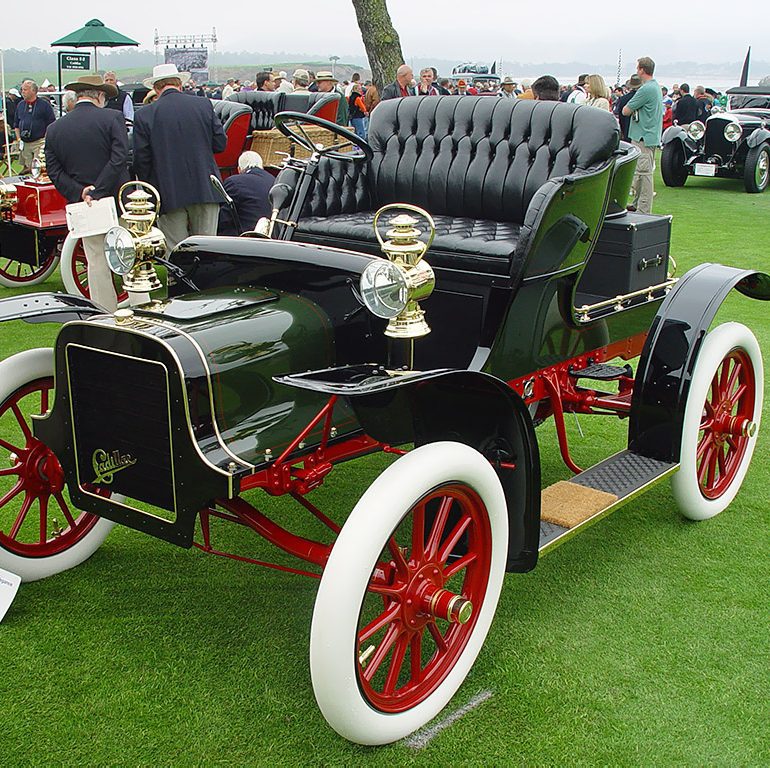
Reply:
x=86, y=154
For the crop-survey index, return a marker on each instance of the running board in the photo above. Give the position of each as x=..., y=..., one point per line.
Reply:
x=568, y=506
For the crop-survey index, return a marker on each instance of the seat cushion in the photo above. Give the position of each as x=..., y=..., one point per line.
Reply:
x=476, y=245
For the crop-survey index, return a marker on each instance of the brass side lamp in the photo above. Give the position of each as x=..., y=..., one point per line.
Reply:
x=37, y=168
x=392, y=289
x=130, y=250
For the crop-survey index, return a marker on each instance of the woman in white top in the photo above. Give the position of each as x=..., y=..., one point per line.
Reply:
x=598, y=93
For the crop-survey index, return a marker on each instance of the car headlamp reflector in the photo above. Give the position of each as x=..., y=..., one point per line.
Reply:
x=119, y=250
x=733, y=132
x=384, y=289
x=696, y=130
x=35, y=168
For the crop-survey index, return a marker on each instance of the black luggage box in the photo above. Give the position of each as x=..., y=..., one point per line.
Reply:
x=630, y=254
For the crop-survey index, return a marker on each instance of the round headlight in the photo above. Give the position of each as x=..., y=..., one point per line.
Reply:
x=696, y=130
x=384, y=289
x=119, y=250
x=733, y=132
x=35, y=168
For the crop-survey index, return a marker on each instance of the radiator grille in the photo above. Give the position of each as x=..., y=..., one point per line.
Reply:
x=121, y=425
x=716, y=143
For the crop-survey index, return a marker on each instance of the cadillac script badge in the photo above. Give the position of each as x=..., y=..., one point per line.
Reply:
x=107, y=464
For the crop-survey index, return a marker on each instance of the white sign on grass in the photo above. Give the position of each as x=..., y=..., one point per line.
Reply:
x=9, y=586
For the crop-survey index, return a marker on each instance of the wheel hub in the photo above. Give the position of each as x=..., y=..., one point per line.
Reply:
x=40, y=471
x=426, y=599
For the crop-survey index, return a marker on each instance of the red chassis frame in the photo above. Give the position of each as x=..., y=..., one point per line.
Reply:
x=555, y=388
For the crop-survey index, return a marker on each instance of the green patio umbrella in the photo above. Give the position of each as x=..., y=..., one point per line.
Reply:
x=94, y=35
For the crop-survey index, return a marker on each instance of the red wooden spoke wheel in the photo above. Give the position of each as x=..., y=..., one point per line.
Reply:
x=75, y=274
x=409, y=592
x=16, y=273
x=41, y=533
x=721, y=421
x=418, y=612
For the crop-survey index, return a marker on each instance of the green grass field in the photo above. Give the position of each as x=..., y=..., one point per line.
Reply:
x=645, y=641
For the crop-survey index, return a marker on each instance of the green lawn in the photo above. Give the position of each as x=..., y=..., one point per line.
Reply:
x=643, y=642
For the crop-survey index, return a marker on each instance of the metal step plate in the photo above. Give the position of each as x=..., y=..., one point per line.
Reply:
x=622, y=477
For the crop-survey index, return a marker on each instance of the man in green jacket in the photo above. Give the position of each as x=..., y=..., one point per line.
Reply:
x=646, y=112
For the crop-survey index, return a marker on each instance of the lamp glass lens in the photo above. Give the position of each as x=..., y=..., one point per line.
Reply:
x=119, y=250
x=384, y=289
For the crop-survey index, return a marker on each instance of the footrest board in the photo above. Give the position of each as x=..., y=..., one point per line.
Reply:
x=569, y=505
x=601, y=372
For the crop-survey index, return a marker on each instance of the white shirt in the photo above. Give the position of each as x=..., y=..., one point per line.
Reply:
x=228, y=90
x=578, y=96
x=285, y=87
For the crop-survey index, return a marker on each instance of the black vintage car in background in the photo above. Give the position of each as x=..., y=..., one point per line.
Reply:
x=733, y=144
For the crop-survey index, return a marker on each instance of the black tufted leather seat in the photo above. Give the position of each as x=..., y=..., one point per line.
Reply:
x=227, y=111
x=266, y=104
x=483, y=167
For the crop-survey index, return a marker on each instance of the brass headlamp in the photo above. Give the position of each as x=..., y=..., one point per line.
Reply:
x=130, y=250
x=392, y=289
x=37, y=167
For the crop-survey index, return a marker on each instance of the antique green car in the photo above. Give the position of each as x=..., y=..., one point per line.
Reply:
x=272, y=360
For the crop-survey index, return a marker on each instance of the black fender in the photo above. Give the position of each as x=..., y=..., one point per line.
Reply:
x=469, y=407
x=668, y=358
x=673, y=132
x=758, y=136
x=48, y=307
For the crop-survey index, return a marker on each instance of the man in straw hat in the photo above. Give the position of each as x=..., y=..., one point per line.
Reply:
x=175, y=139
x=86, y=152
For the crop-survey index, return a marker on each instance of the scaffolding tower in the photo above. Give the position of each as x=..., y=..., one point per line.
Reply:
x=191, y=40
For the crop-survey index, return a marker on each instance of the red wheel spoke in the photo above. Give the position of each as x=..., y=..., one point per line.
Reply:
x=454, y=537
x=386, y=589
x=705, y=464
x=418, y=533
x=382, y=651
x=712, y=468
x=707, y=440
x=724, y=369
x=438, y=638
x=43, y=519
x=439, y=524
x=375, y=625
x=396, y=662
x=721, y=461
x=462, y=562
x=13, y=492
x=10, y=446
x=398, y=557
x=739, y=393
x=25, y=505
x=65, y=509
x=732, y=442
x=415, y=657
x=15, y=470
x=22, y=421
x=734, y=376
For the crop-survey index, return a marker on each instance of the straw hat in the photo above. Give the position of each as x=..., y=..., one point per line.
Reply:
x=321, y=76
x=164, y=72
x=92, y=83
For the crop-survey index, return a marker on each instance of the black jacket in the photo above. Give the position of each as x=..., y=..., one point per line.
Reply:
x=249, y=192
x=89, y=145
x=685, y=110
x=175, y=139
x=393, y=91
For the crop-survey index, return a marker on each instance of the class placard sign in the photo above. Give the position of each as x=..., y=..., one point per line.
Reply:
x=70, y=61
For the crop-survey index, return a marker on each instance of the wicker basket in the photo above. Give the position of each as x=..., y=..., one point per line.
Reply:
x=270, y=143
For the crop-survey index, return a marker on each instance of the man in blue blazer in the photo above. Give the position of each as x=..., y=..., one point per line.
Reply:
x=175, y=139
x=86, y=154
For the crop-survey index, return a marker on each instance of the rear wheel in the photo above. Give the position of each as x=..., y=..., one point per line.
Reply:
x=672, y=165
x=17, y=274
x=756, y=172
x=41, y=533
x=408, y=594
x=721, y=421
x=74, y=271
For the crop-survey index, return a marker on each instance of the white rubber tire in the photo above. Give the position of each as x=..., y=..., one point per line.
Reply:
x=71, y=285
x=716, y=346
x=15, y=372
x=42, y=277
x=333, y=638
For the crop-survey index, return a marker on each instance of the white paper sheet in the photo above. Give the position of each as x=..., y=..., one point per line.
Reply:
x=95, y=219
x=9, y=586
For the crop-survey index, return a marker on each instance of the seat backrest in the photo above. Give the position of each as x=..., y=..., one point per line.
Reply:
x=263, y=104
x=481, y=157
x=325, y=106
x=236, y=121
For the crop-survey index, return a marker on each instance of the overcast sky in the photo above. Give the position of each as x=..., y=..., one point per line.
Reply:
x=559, y=31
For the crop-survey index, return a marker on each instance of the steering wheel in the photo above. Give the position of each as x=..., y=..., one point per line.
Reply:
x=290, y=125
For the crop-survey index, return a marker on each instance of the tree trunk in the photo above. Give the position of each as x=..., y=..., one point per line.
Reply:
x=383, y=48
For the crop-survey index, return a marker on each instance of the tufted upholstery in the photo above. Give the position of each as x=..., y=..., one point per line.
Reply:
x=265, y=105
x=475, y=163
x=235, y=121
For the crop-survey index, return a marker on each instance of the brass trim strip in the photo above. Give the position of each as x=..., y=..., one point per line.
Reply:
x=617, y=302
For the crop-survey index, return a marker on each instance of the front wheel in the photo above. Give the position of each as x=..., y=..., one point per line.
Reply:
x=408, y=594
x=756, y=172
x=672, y=164
x=721, y=421
x=41, y=533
